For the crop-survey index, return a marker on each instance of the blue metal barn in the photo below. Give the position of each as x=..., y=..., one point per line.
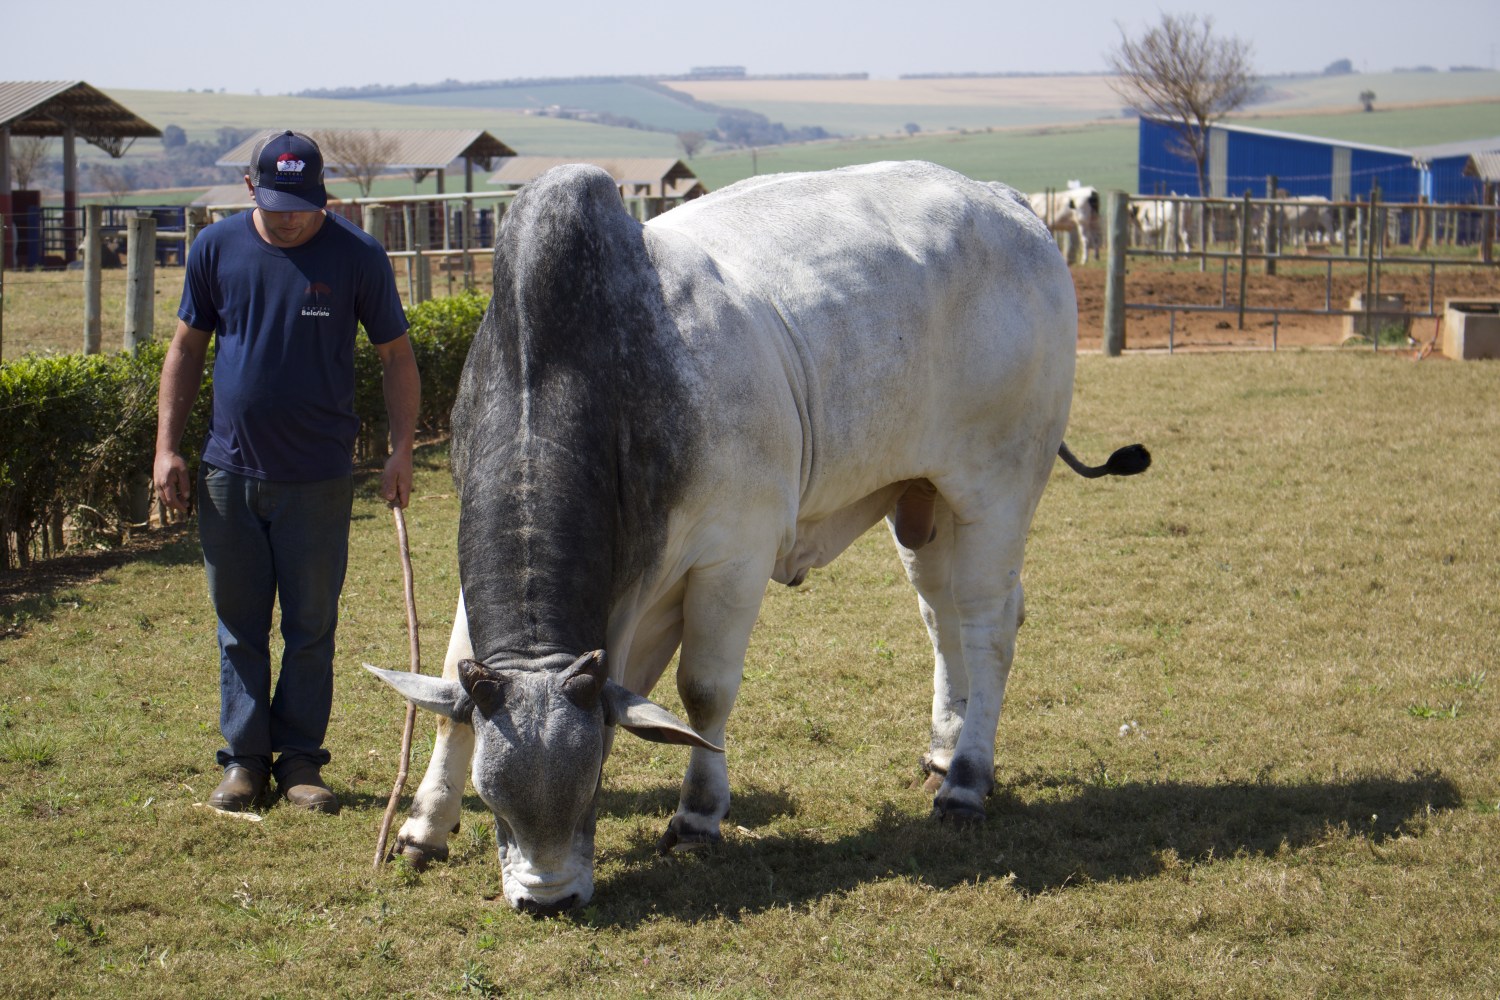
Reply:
x=1240, y=159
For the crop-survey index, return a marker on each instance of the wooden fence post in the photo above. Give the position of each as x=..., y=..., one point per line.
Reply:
x=1272, y=235
x=140, y=282
x=1244, y=252
x=375, y=222
x=466, y=240
x=422, y=261
x=1114, y=282
x=93, y=277
x=193, y=224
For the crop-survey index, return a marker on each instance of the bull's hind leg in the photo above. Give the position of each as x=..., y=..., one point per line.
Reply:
x=968, y=580
x=929, y=567
x=435, y=808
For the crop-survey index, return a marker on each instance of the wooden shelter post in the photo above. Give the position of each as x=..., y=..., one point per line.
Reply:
x=70, y=194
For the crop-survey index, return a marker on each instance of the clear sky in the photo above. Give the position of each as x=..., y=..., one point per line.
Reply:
x=289, y=46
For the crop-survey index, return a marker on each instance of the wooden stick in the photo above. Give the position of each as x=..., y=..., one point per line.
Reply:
x=411, y=710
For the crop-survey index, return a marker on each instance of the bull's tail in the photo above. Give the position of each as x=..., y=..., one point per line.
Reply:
x=1126, y=461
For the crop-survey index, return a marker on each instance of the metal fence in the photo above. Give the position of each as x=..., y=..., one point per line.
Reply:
x=1234, y=235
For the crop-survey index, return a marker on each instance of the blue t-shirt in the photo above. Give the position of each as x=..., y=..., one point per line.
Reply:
x=285, y=320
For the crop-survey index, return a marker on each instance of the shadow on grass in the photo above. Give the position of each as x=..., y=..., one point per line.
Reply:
x=33, y=593
x=1100, y=834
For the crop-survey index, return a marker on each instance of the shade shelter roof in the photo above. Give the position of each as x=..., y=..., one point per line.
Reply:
x=1485, y=166
x=419, y=150
x=635, y=175
x=49, y=108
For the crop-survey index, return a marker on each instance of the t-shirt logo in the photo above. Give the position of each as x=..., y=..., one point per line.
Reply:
x=315, y=300
x=289, y=168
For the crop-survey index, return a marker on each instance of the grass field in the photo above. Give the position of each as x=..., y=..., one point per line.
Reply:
x=627, y=100
x=1104, y=156
x=1247, y=750
x=201, y=115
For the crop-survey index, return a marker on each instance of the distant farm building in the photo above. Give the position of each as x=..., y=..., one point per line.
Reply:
x=639, y=177
x=420, y=151
x=69, y=110
x=1241, y=158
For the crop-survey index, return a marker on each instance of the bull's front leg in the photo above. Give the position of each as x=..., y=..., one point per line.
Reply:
x=435, y=808
x=720, y=605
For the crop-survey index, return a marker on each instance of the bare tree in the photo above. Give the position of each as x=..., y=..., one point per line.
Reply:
x=113, y=182
x=691, y=142
x=1181, y=73
x=358, y=154
x=28, y=154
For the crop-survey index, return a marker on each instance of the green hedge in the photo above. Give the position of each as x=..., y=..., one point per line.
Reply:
x=78, y=432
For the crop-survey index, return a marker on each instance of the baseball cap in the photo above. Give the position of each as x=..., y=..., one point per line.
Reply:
x=286, y=171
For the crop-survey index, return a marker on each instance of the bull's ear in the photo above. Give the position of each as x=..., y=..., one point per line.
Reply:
x=647, y=719
x=446, y=698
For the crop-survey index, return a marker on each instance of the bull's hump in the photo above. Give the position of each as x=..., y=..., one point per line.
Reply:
x=572, y=430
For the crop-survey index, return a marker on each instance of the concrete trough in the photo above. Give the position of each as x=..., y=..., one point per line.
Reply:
x=1471, y=328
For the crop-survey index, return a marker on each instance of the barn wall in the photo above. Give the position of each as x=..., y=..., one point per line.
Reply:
x=1450, y=186
x=1302, y=166
x=1398, y=179
x=1161, y=170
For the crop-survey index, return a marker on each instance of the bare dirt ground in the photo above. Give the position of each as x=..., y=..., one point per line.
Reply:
x=1297, y=286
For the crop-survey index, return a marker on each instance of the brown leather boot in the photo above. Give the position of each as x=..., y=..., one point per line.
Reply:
x=241, y=788
x=304, y=788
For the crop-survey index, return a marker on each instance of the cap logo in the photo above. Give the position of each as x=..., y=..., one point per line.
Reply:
x=289, y=168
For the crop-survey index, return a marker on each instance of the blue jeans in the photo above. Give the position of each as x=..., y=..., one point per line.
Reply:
x=263, y=541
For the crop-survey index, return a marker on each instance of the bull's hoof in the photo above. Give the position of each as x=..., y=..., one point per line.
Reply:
x=958, y=813
x=419, y=856
x=678, y=840
x=961, y=793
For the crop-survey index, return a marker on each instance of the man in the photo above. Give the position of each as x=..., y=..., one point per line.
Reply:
x=283, y=287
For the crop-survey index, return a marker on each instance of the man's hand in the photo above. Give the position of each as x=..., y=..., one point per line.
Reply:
x=395, y=480
x=173, y=484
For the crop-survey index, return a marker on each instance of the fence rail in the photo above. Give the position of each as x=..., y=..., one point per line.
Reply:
x=453, y=234
x=1234, y=234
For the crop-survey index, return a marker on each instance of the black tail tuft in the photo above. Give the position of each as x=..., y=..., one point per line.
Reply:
x=1128, y=461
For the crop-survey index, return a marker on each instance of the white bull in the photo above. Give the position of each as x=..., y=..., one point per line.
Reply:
x=1073, y=212
x=656, y=420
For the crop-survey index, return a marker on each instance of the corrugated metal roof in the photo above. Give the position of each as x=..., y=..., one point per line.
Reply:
x=1443, y=151
x=47, y=107
x=1304, y=137
x=411, y=149
x=657, y=172
x=226, y=194
x=1485, y=166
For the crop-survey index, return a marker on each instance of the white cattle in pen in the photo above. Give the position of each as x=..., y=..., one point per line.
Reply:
x=1071, y=213
x=1308, y=218
x=655, y=420
x=1160, y=224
